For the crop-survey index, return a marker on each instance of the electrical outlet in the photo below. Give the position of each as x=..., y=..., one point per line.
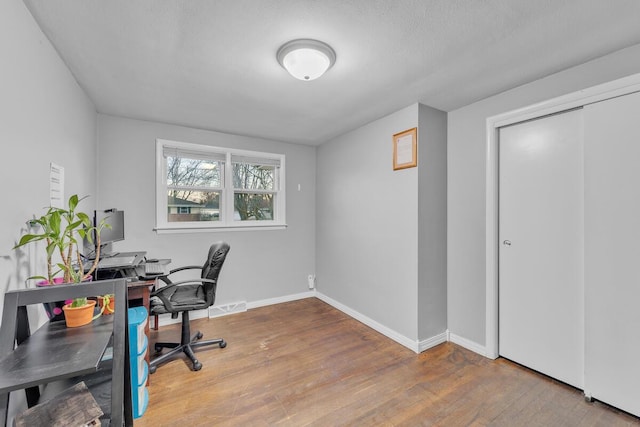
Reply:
x=312, y=281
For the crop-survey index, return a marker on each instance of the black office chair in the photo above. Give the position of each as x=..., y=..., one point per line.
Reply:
x=184, y=296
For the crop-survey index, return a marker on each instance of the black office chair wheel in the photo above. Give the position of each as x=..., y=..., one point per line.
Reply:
x=199, y=335
x=197, y=365
x=223, y=344
x=152, y=369
x=158, y=349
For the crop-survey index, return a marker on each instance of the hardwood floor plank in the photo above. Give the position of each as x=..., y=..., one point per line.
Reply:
x=304, y=363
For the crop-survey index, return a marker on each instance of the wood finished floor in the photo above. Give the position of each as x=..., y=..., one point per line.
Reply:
x=304, y=363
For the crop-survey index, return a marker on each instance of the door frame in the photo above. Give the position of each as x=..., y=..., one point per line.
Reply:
x=573, y=100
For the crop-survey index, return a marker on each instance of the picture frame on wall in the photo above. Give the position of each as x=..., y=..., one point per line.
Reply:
x=405, y=149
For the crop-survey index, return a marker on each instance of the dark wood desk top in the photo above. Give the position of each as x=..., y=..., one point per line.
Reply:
x=46, y=355
x=141, y=283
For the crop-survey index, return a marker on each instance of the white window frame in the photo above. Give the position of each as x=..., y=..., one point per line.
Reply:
x=227, y=221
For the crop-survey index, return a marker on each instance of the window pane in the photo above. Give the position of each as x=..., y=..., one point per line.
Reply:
x=193, y=206
x=193, y=173
x=247, y=176
x=253, y=207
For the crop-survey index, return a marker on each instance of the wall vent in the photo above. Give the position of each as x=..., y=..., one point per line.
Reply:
x=223, y=310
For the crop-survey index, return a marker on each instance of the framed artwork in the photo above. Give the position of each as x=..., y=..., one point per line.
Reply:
x=405, y=149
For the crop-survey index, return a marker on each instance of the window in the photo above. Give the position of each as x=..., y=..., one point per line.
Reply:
x=199, y=186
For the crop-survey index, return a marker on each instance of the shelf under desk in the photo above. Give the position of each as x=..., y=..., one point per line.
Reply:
x=44, y=356
x=54, y=353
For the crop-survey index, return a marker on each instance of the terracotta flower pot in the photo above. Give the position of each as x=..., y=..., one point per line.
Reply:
x=110, y=308
x=78, y=316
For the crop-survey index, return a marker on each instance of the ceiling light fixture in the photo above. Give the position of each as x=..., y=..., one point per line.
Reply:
x=306, y=59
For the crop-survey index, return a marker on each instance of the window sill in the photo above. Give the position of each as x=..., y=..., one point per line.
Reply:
x=222, y=228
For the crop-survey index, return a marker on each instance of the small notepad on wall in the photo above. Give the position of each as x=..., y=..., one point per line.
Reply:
x=56, y=186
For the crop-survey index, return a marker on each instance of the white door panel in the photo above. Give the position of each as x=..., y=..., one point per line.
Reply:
x=612, y=251
x=541, y=264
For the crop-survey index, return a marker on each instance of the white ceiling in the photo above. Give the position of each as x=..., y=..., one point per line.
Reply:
x=211, y=64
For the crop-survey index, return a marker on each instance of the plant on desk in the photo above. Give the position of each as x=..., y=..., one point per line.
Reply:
x=62, y=229
x=107, y=304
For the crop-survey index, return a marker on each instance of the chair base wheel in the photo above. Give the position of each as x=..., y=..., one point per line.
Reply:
x=223, y=344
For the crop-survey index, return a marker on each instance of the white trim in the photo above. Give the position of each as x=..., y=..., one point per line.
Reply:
x=578, y=99
x=415, y=346
x=279, y=300
x=165, y=319
x=469, y=345
x=226, y=222
x=432, y=342
x=389, y=333
x=218, y=229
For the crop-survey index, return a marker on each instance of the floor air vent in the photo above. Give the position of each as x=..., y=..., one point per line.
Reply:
x=223, y=310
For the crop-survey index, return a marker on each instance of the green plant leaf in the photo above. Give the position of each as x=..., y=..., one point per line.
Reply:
x=73, y=202
x=54, y=222
x=29, y=238
x=84, y=218
x=51, y=249
x=79, y=302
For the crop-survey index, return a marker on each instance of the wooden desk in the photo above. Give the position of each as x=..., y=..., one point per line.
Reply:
x=141, y=290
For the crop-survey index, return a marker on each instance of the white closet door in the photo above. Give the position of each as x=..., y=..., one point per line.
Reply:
x=541, y=277
x=612, y=251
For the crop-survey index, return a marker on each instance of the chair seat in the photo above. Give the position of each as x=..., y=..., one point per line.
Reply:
x=185, y=297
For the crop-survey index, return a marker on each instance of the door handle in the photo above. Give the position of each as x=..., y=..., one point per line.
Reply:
x=507, y=242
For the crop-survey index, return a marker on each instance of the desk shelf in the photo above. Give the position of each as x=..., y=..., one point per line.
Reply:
x=55, y=353
x=44, y=356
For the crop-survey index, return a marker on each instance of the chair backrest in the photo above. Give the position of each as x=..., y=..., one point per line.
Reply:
x=211, y=268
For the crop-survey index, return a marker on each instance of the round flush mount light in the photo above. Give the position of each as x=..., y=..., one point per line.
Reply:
x=306, y=59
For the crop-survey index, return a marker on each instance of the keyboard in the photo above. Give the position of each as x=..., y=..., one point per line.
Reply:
x=116, y=261
x=153, y=268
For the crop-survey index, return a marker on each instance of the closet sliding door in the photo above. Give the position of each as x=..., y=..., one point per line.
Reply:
x=612, y=251
x=541, y=267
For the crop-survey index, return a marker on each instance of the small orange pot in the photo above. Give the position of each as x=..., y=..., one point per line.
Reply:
x=79, y=316
x=110, y=308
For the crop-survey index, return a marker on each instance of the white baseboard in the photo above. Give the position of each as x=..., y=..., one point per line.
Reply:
x=415, y=346
x=432, y=342
x=278, y=300
x=469, y=345
x=399, y=338
x=231, y=308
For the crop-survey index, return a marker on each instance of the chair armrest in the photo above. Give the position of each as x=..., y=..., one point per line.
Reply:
x=188, y=267
x=172, y=285
x=165, y=277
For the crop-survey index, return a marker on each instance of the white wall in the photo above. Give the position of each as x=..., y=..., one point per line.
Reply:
x=466, y=182
x=45, y=117
x=367, y=223
x=382, y=233
x=261, y=264
x=432, y=222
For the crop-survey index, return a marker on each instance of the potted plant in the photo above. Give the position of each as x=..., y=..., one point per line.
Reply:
x=107, y=304
x=63, y=230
